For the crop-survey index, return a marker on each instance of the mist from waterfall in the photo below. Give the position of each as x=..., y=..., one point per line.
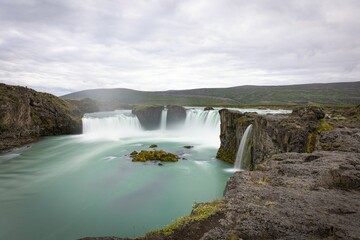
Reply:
x=243, y=150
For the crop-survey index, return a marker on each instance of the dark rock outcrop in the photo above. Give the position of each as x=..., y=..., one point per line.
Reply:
x=271, y=134
x=149, y=116
x=26, y=115
x=176, y=116
x=233, y=125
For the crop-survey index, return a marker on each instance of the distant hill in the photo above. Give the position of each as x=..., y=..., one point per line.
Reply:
x=325, y=93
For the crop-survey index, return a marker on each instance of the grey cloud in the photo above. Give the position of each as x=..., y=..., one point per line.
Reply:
x=69, y=45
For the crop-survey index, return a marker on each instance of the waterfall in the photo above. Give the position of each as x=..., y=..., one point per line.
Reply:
x=243, y=149
x=111, y=125
x=199, y=126
x=200, y=119
x=163, y=121
x=203, y=126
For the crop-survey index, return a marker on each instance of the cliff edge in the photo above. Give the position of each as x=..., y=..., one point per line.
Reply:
x=26, y=115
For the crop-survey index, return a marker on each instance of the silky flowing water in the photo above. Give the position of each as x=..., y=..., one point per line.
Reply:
x=69, y=187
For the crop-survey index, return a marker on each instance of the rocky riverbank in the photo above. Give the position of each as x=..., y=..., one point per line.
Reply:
x=306, y=184
x=26, y=115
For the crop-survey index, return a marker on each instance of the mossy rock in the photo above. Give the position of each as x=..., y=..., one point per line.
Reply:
x=312, y=137
x=225, y=155
x=133, y=153
x=153, y=146
x=154, y=155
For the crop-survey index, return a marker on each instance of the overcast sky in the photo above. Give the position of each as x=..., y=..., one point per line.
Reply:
x=69, y=45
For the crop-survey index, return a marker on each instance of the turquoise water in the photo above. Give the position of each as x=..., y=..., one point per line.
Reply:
x=71, y=186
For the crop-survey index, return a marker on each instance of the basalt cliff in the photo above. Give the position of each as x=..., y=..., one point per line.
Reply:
x=271, y=134
x=303, y=180
x=26, y=115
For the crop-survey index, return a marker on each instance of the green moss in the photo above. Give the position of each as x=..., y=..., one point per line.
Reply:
x=200, y=212
x=324, y=126
x=154, y=155
x=310, y=146
x=263, y=181
x=284, y=123
x=226, y=156
x=312, y=137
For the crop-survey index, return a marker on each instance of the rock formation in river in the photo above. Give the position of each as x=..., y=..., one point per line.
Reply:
x=153, y=155
x=150, y=116
x=25, y=115
x=176, y=116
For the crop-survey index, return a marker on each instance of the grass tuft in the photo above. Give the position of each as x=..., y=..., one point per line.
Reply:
x=200, y=212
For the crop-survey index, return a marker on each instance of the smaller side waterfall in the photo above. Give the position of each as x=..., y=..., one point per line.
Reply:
x=163, y=121
x=243, y=149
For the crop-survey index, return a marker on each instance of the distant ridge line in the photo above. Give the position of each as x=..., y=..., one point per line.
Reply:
x=338, y=93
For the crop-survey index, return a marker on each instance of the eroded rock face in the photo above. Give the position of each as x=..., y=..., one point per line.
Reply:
x=271, y=134
x=340, y=139
x=233, y=126
x=296, y=196
x=26, y=115
x=149, y=116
